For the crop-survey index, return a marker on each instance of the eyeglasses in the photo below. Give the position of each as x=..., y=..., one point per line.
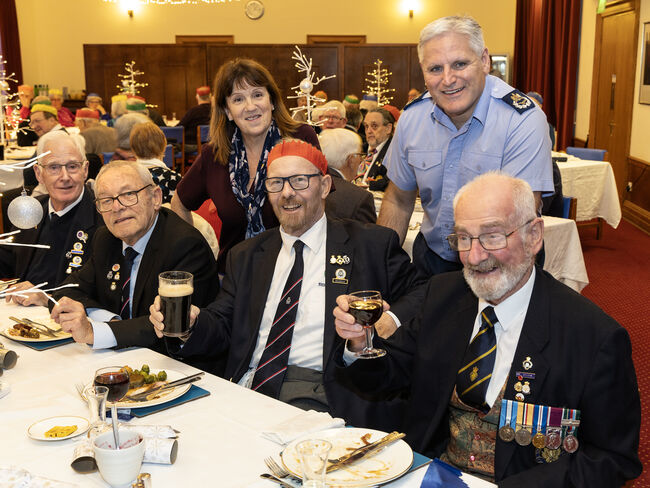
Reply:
x=373, y=125
x=331, y=117
x=491, y=241
x=126, y=199
x=297, y=182
x=55, y=168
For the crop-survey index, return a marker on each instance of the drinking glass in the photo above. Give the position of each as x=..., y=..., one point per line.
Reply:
x=175, y=289
x=116, y=379
x=96, y=396
x=313, y=461
x=366, y=307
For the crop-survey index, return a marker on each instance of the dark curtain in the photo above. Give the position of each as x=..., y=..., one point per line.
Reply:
x=10, y=41
x=547, y=37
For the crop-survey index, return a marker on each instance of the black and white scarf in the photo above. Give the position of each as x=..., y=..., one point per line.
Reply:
x=239, y=178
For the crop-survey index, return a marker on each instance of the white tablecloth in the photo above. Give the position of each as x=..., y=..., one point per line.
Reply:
x=10, y=179
x=219, y=442
x=564, y=259
x=593, y=184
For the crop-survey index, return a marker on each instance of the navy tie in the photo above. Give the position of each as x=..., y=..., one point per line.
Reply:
x=473, y=378
x=271, y=369
x=129, y=256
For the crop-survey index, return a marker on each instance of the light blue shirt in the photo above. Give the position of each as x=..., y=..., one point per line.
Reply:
x=104, y=337
x=428, y=153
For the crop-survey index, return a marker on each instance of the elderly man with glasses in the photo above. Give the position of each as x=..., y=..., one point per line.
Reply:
x=109, y=307
x=68, y=224
x=273, y=318
x=511, y=375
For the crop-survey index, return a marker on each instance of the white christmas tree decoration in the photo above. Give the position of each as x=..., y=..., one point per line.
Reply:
x=306, y=86
x=129, y=84
x=7, y=100
x=377, y=84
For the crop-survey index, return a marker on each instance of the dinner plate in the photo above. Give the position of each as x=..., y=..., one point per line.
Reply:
x=163, y=397
x=388, y=464
x=43, y=337
x=37, y=430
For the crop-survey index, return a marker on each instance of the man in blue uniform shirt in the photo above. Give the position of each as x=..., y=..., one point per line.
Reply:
x=466, y=124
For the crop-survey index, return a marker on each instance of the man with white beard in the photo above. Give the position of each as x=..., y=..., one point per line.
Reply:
x=512, y=375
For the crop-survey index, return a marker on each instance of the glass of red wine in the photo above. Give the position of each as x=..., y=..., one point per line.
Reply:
x=116, y=379
x=366, y=307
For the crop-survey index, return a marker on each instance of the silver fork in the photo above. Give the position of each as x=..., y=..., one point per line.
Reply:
x=80, y=389
x=275, y=468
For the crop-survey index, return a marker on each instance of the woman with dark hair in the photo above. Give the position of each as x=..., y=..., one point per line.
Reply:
x=248, y=118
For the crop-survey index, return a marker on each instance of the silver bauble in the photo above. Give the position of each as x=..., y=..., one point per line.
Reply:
x=306, y=86
x=25, y=212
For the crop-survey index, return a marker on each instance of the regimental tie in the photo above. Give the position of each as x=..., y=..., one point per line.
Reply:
x=473, y=378
x=272, y=367
x=129, y=256
x=365, y=164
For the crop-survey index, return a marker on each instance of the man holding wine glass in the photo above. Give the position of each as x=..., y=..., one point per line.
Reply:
x=273, y=317
x=503, y=362
x=141, y=239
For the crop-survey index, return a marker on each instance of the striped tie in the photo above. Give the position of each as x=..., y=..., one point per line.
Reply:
x=270, y=371
x=473, y=378
x=129, y=256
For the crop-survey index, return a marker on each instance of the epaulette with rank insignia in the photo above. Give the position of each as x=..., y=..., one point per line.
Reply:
x=415, y=100
x=518, y=101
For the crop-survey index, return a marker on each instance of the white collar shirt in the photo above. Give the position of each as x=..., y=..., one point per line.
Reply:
x=307, y=342
x=511, y=314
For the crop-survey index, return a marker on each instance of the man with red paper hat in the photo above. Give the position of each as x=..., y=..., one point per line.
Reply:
x=195, y=116
x=272, y=320
x=99, y=138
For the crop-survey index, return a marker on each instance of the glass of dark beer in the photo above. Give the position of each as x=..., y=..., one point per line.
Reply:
x=175, y=289
x=366, y=307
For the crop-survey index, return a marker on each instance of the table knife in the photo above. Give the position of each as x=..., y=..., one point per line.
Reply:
x=364, y=451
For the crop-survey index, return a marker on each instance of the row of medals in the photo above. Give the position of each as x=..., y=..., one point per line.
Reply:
x=548, y=443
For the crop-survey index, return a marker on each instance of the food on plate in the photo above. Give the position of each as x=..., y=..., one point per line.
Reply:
x=24, y=330
x=143, y=379
x=61, y=431
x=366, y=438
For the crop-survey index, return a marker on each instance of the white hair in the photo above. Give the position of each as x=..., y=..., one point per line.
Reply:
x=124, y=125
x=338, y=144
x=523, y=198
x=54, y=137
x=143, y=172
x=334, y=105
x=463, y=25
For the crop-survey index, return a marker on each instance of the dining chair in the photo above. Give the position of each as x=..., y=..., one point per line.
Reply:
x=176, y=136
x=202, y=136
x=569, y=207
x=107, y=156
x=168, y=156
x=587, y=153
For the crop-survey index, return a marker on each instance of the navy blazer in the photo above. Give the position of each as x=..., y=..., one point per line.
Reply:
x=231, y=323
x=581, y=359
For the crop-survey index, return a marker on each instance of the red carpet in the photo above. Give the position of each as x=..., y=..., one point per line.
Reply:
x=618, y=266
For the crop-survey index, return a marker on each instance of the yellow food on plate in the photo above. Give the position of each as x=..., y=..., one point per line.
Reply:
x=61, y=431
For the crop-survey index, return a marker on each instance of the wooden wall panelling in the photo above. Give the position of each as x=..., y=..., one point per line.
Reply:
x=277, y=58
x=172, y=71
x=359, y=60
x=415, y=72
x=636, y=206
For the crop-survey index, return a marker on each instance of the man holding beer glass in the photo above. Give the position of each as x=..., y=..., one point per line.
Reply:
x=297, y=271
x=140, y=241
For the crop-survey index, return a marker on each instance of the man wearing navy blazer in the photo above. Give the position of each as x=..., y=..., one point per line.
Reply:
x=545, y=346
x=68, y=224
x=97, y=312
x=339, y=256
